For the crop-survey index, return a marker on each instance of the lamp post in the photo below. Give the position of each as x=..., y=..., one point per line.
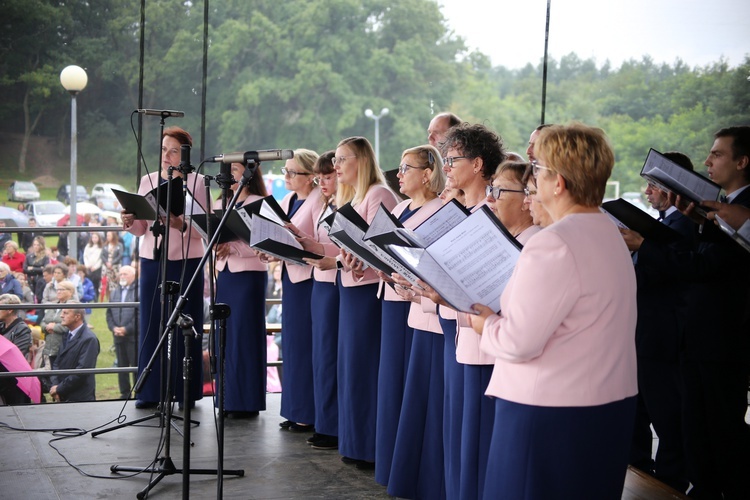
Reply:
x=74, y=79
x=370, y=114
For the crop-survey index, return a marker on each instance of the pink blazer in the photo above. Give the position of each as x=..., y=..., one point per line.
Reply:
x=241, y=256
x=330, y=249
x=376, y=194
x=177, y=239
x=305, y=219
x=566, y=333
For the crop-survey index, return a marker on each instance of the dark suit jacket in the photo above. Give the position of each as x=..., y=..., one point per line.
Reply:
x=717, y=273
x=81, y=352
x=662, y=299
x=122, y=316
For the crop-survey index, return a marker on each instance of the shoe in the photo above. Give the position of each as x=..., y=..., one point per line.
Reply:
x=349, y=461
x=286, y=424
x=142, y=405
x=315, y=437
x=364, y=465
x=235, y=415
x=326, y=443
x=301, y=428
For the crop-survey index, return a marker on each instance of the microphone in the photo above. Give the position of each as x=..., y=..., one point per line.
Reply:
x=164, y=113
x=256, y=156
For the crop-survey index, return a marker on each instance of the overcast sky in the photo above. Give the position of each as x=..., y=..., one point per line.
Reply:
x=511, y=32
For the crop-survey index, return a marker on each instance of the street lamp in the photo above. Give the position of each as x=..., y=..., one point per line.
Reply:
x=74, y=79
x=370, y=114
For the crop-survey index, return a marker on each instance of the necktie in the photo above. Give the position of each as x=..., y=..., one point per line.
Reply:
x=662, y=214
x=723, y=198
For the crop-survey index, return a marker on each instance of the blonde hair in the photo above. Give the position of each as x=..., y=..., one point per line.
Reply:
x=429, y=157
x=67, y=285
x=582, y=155
x=368, y=172
x=305, y=158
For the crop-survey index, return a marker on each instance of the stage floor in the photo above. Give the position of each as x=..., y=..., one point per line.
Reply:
x=277, y=464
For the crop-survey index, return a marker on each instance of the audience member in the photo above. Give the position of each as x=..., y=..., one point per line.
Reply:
x=8, y=282
x=12, y=326
x=52, y=322
x=121, y=322
x=26, y=239
x=36, y=261
x=13, y=257
x=20, y=390
x=80, y=349
x=439, y=126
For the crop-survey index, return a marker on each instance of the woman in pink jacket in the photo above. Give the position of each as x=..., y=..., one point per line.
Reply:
x=241, y=284
x=564, y=340
x=362, y=184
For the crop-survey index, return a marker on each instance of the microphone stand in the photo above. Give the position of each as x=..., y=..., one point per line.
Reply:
x=168, y=467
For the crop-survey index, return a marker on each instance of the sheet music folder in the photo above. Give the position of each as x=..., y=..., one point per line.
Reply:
x=143, y=207
x=273, y=239
x=470, y=263
x=636, y=219
x=669, y=176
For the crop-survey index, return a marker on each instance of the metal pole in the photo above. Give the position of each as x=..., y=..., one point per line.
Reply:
x=377, y=139
x=73, y=237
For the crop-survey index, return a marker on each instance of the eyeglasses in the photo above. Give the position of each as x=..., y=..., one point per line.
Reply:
x=293, y=173
x=528, y=193
x=535, y=168
x=323, y=178
x=403, y=168
x=496, y=191
x=340, y=159
x=448, y=160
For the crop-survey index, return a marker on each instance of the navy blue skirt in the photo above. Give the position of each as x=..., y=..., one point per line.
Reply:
x=453, y=405
x=148, y=335
x=245, y=359
x=359, y=357
x=417, y=468
x=325, y=337
x=546, y=453
x=297, y=398
x=476, y=429
x=395, y=348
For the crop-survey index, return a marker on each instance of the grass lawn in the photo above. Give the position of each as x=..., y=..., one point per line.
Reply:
x=106, y=384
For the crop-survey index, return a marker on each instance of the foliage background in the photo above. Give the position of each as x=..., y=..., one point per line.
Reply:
x=299, y=73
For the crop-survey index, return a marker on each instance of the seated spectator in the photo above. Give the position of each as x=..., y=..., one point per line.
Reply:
x=41, y=284
x=80, y=349
x=19, y=390
x=13, y=257
x=8, y=282
x=13, y=327
x=88, y=293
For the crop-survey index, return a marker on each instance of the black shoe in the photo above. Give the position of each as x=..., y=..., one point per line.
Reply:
x=234, y=415
x=315, y=437
x=286, y=424
x=326, y=443
x=364, y=465
x=143, y=405
x=349, y=461
x=301, y=428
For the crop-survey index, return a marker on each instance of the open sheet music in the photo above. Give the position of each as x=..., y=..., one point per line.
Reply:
x=470, y=263
x=266, y=207
x=627, y=215
x=276, y=240
x=741, y=236
x=143, y=207
x=669, y=176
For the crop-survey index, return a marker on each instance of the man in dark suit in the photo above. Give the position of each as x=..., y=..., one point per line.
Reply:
x=715, y=349
x=661, y=309
x=79, y=350
x=121, y=322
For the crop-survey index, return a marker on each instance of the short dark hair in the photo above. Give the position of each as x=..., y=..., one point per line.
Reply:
x=476, y=141
x=681, y=159
x=740, y=143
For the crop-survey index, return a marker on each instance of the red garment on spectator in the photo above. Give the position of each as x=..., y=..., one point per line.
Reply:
x=16, y=262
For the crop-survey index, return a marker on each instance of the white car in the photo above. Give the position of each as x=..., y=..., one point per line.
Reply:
x=46, y=213
x=104, y=190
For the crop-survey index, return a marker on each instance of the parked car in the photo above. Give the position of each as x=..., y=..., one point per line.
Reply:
x=46, y=213
x=63, y=194
x=13, y=218
x=22, y=191
x=103, y=197
x=105, y=190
